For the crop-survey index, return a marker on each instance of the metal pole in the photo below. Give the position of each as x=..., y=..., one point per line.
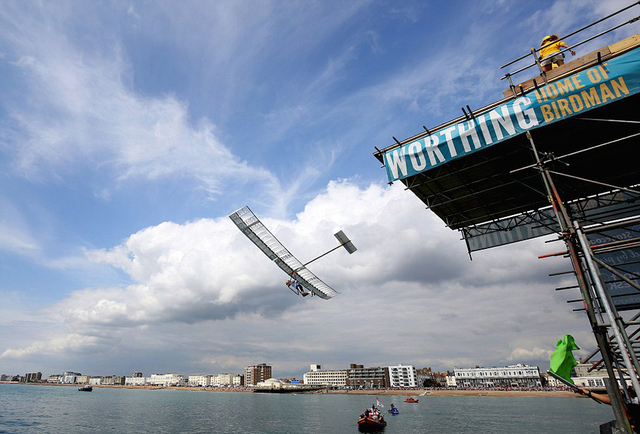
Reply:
x=536, y=60
x=326, y=253
x=614, y=318
x=614, y=396
x=599, y=332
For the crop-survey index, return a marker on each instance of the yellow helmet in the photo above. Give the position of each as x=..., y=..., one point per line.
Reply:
x=545, y=39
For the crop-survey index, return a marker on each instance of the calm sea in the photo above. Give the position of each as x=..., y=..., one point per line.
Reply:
x=42, y=409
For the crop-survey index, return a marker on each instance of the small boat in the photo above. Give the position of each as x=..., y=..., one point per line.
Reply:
x=85, y=388
x=410, y=399
x=369, y=424
x=394, y=410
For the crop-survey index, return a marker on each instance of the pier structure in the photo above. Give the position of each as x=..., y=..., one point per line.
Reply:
x=557, y=155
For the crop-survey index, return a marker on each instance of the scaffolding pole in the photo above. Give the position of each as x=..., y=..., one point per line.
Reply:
x=569, y=236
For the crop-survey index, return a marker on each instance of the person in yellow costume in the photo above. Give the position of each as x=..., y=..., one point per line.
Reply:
x=550, y=52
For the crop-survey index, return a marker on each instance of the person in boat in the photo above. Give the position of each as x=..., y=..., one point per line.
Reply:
x=550, y=52
x=375, y=413
x=391, y=406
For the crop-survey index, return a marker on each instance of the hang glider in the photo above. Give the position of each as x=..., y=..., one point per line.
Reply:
x=256, y=231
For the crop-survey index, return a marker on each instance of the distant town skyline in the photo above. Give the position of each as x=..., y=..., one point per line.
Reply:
x=356, y=376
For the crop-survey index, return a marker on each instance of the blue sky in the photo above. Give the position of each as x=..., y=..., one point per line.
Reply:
x=129, y=130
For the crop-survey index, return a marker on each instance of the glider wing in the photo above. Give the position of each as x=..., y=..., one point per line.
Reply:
x=257, y=232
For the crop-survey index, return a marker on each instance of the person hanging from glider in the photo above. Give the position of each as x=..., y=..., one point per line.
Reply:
x=295, y=286
x=257, y=232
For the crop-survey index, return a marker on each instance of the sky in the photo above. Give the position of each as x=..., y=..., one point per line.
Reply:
x=130, y=130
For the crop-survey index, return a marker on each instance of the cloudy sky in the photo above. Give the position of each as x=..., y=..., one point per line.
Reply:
x=130, y=130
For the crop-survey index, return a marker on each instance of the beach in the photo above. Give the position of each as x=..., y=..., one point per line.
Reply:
x=377, y=392
x=426, y=393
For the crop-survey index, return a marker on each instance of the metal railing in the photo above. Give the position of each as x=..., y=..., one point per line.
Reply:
x=534, y=51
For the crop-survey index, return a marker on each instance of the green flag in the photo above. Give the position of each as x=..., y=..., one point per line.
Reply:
x=562, y=360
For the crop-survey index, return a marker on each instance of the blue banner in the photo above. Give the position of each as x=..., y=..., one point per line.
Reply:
x=591, y=88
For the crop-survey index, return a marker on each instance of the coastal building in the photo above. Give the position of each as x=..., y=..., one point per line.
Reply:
x=440, y=378
x=402, y=376
x=33, y=377
x=590, y=376
x=54, y=378
x=83, y=379
x=70, y=377
x=257, y=373
x=227, y=379
x=166, y=380
x=199, y=380
x=238, y=380
x=423, y=375
x=518, y=375
x=367, y=378
x=591, y=382
x=451, y=380
x=271, y=383
x=136, y=381
x=318, y=377
x=112, y=380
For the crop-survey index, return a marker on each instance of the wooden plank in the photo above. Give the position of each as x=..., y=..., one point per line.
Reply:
x=625, y=44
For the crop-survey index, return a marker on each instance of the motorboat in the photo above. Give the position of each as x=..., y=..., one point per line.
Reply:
x=410, y=399
x=85, y=388
x=394, y=410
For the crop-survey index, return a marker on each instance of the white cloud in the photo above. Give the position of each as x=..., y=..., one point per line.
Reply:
x=409, y=285
x=72, y=344
x=525, y=354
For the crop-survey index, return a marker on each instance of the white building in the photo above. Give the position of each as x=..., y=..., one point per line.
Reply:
x=227, y=379
x=586, y=375
x=166, y=380
x=202, y=380
x=95, y=381
x=509, y=376
x=69, y=377
x=451, y=381
x=54, y=378
x=136, y=381
x=113, y=380
x=402, y=376
x=589, y=382
x=317, y=377
x=271, y=383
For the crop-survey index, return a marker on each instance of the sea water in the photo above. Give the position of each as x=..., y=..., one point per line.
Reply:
x=48, y=409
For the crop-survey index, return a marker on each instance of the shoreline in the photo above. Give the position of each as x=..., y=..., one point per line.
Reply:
x=427, y=393
x=423, y=393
